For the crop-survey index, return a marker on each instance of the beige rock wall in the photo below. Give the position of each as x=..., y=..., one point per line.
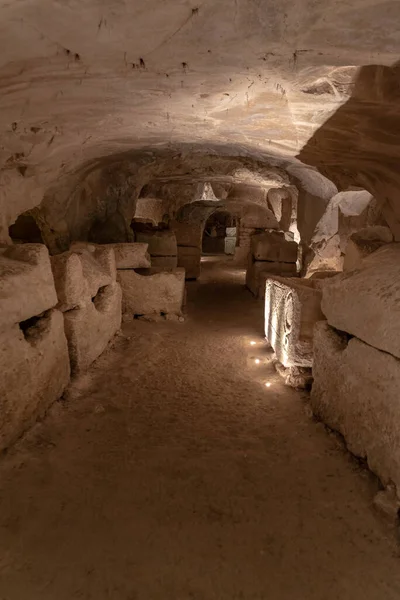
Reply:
x=155, y=292
x=366, y=302
x=90, y=299
x=34, y=362
x=356, y=392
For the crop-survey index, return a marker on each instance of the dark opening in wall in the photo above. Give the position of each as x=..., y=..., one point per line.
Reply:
x=219, y=226
x=26, y=325
x=35, y=327
x=100, y=298
x=25, y=230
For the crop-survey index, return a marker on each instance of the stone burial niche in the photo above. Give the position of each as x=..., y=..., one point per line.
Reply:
x=90, y=300
x=270, y=254
x=34, y=362
x=146, y=291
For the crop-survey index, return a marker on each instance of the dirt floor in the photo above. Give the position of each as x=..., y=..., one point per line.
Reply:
x=171, y=472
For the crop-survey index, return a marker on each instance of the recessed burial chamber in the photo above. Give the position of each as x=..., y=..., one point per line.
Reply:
x=90, y=300
x=34, y=362
x=25, y=230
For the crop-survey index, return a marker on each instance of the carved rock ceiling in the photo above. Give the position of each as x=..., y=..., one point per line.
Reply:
x=84, y=79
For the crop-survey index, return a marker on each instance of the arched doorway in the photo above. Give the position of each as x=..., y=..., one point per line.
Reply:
x=219, y=234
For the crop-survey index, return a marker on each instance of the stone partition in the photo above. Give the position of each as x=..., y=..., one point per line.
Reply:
x=188, y=237
x=162, y=248
x=356, y=392
x=34, y=361
x=189, y=259
x=90, y=299
x=270, y=254
x=152, y=291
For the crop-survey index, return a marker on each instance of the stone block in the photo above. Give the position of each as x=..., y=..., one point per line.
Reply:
x=128, y=255
x=164, y=262
x=187, y=234
x=189, y=258
x=257, y=271
x=325, y=257
x=78, y=275
x=26, y=283
x=35, y=370
x=153, y=292
x=230, y=245
x=273, y=247
x=356, y=392
x=366, y=302
x=362, y=243
x=161, y=243
x=90, y=327
x=292, y=307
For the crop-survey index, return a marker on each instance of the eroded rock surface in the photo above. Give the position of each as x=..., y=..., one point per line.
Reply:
x=355, y=392
x=365, y=302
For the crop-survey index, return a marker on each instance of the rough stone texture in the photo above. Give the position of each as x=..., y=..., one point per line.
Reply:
x=366, y=302
x=90, y=299
x=128, y=255
x=190, y=259
x=90, y=327
x=34, y=367
x=295, y=377
x=292, y=307
x=364, y=242
x=256, y=271
x=350, y=204
x=161, y=243
x=346, y=213
x=26, y=283
x=188, y=234
x=280, y=201
x=273, y=247
x=150, y=210
x=322, y=275
x=326, y=257
x=352, y=216
x=78, y=276
x=356, y=392
x=164, y=262
x=152, y=293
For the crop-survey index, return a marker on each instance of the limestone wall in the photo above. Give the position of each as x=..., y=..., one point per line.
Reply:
x=356, y=364
x=34, y=362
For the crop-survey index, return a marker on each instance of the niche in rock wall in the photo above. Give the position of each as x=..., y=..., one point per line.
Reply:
x=25, y=230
